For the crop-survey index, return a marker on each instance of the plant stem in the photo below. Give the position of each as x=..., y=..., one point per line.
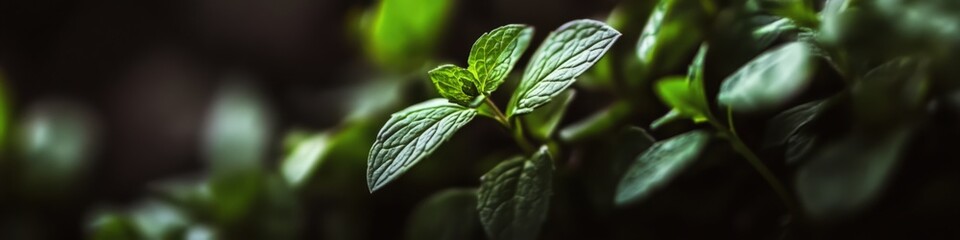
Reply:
x=754, y=160
x=500, y=117
x=518, y=135
x=515, y=130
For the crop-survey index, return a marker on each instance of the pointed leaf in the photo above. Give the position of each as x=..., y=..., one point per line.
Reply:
x=514, y=196
x=454, y=83
x=767, y=34
x=769, y=80
x=659, y=164
x=564, y=55
x=410, y=136
x=307, y=155
x=786, y=124
x=678, y=93
x=495, y=53
x=672, y=31
x=450, y=215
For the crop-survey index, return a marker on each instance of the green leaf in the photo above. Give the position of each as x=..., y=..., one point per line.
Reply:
x=848, y=175
x=158, y=220
x=685, y=95
x=112, y=226
x=891, y=94
x=541, y=124
x=672, y=31
x=305, y=157
x=495, y=53
x=597, y=124
x=237, y=105
x=660, y=164
x=800, y=11
x=514, y=196
x=56, y=140
x=679, y=94
x=410, y=136
x=767, y=34
x=403, y=33
x=786, y=124
x=792, y=128
x=4, y=113
x=564, y=55
x=770, y=80
x=450, y=214
x=454, y=83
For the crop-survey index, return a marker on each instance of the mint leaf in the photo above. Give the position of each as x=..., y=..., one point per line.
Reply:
x=685, y=95
x=769, y=80
x=410, y=136
x=849, y=175
x=541, y=124
x=305, y=157
x=564, y=55
x=677, y=93
x=454, y=83
x=672, y=31
x=450, y=214
x=495, y=53
x=767, y=34
x=659, y=164
x=514, y=196
x=788, y=123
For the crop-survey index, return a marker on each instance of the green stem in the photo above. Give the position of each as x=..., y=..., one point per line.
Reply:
x=754, y=160
x=499, y=114
x=518, y=135
x=515, y=130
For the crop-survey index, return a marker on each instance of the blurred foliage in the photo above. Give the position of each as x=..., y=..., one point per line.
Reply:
x=402, y=34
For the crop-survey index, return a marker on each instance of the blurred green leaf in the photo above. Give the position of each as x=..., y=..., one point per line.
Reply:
x=848, y=175
x=4, y=113
x=450, y=215
x=514, y=196
x=56, y=138
x=455, y=83
x=542, y=123
x=792, y=128
x=256, y=205
x=786, y=124
x=607, y=119
x=192, y=196
x=800, y=11
x=767, y=34
x=150, y=219
x=305, y=158
x=234, y=195
x=237, y=129
x=891, y=94
x=563, y=56
x=157, y=220
x=112, y=226
x=659, y=164
x=673, y=30
x=770, y=80
x=404, y=33
x=495, y=53
x=410, y=136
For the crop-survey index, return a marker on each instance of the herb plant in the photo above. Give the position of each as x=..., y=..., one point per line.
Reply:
x=514, y=196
